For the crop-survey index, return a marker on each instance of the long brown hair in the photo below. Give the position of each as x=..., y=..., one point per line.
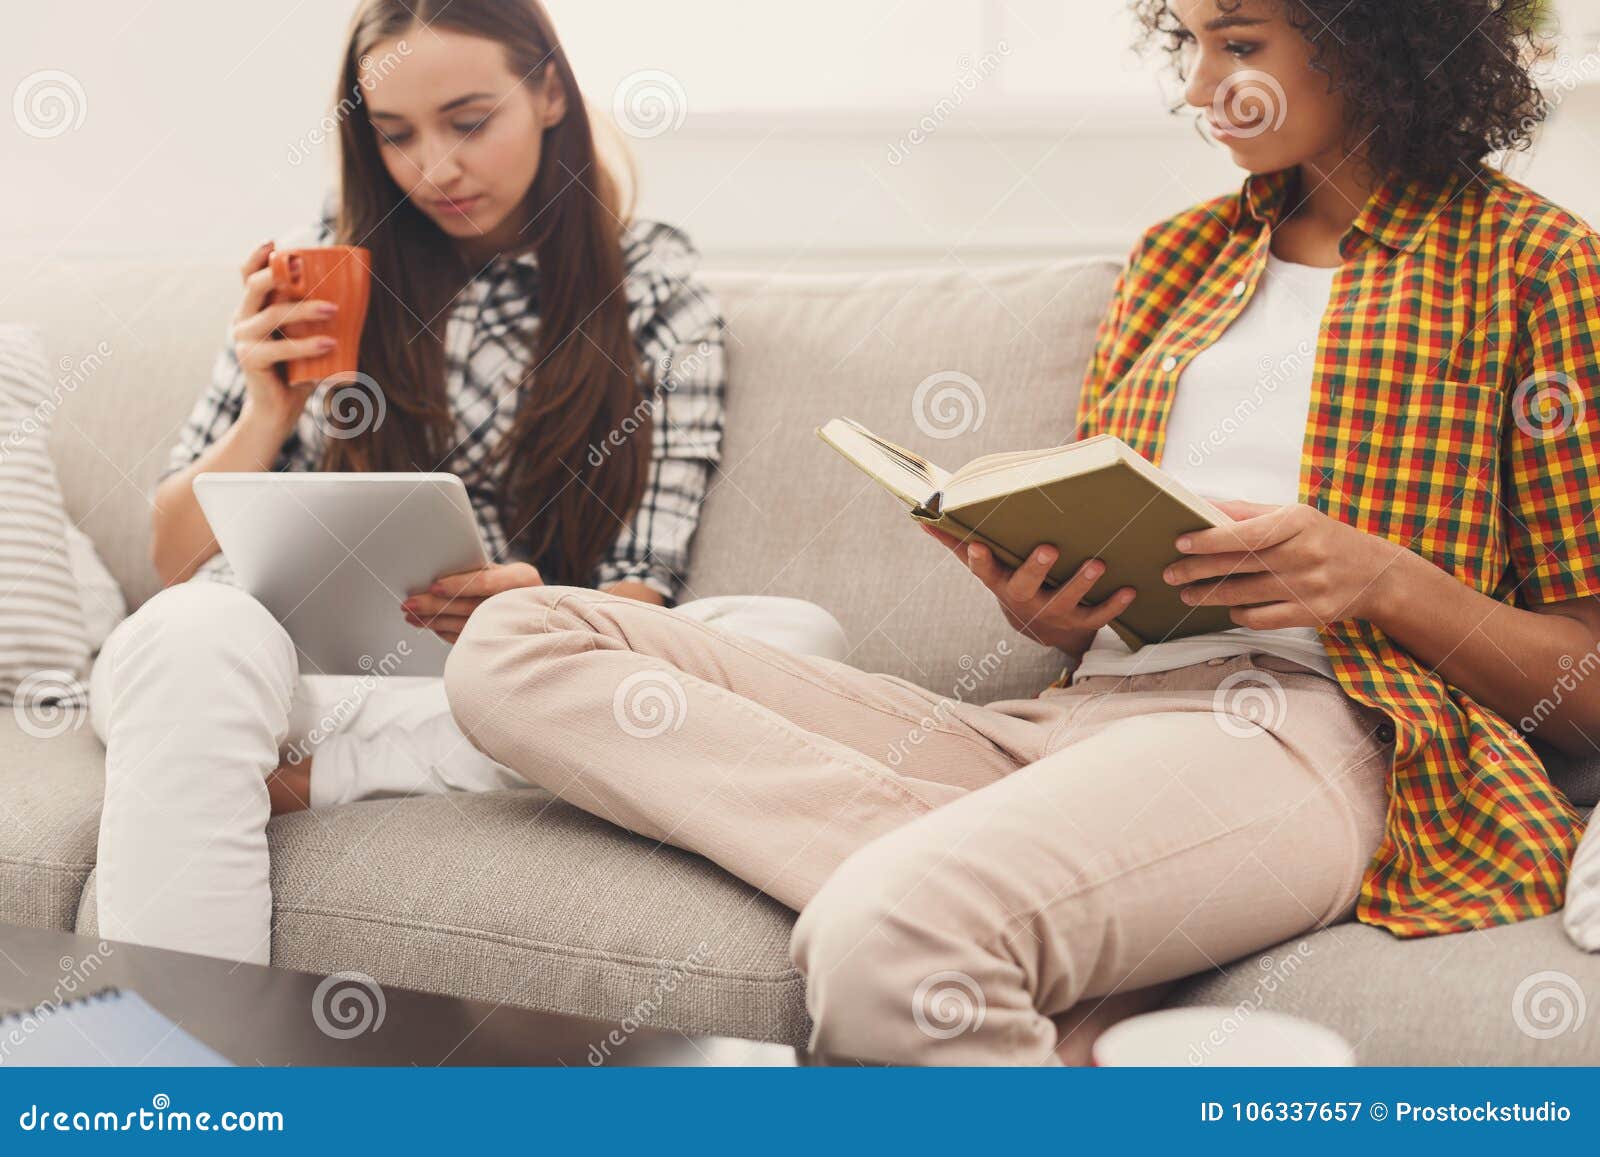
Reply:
x=583, y=379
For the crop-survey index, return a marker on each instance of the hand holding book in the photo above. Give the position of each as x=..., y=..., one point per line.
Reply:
x=1058, y=618
x=1288, y=566
x=1097, y=499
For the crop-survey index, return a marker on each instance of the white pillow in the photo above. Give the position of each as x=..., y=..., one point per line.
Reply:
x=98, y=593
x=1582, y=915
x=44, y=646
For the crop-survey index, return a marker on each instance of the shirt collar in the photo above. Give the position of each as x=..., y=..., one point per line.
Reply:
x=524, y=263
x=1398, y=213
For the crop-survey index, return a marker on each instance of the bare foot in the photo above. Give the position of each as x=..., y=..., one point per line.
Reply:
x=289, y=787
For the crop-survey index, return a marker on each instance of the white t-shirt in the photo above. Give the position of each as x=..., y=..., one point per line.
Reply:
x=1236, y=430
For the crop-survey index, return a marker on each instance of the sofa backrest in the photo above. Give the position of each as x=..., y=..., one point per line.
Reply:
x=951, y=364
x=133, y=343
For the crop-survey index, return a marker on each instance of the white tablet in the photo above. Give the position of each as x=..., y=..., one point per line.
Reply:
x=333, y=555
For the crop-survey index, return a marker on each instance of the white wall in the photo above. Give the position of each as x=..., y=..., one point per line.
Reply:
x=194, y=114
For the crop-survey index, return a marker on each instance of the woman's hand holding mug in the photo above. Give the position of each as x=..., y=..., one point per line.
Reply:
x=262, y=352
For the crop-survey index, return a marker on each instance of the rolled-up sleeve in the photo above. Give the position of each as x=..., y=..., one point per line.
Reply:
x=1552, y=436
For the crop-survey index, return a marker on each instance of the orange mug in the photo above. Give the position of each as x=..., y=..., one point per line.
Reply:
x=338, y=273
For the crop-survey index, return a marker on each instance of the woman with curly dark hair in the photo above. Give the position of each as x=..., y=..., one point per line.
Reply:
x=1381, y=356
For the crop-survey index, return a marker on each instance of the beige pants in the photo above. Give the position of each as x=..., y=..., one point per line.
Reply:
x=966, y=875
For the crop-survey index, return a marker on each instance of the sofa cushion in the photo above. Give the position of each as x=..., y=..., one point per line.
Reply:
x=1002, y=353
x=513, y=896
x=1514, y=995
x=52, y=774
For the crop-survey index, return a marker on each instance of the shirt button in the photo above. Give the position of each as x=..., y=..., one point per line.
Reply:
x=1385, y=733
x=1170, y=364
x=1238, y=290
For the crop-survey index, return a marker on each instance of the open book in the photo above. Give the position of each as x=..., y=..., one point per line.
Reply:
x=1098, y=498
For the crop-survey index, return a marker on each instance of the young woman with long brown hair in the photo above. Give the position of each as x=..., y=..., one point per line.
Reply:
x=524, y=335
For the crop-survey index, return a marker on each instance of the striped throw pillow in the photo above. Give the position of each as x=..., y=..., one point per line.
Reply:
x=44, y=645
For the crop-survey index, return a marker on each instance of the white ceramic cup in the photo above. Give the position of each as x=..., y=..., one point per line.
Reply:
x=1215, y=1036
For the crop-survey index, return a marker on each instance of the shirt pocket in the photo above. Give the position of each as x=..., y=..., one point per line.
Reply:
x=1442, y=461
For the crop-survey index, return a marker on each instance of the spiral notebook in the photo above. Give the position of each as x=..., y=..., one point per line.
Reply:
x=106, y=1028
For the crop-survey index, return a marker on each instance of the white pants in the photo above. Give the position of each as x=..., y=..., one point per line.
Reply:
x=197, y=697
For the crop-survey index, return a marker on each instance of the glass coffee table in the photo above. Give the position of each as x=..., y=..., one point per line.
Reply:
x=273, y=1016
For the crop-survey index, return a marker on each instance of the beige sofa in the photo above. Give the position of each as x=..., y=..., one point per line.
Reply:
x=516, y=897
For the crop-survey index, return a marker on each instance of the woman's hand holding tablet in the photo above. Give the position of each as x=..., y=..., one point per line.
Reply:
x=447, y=604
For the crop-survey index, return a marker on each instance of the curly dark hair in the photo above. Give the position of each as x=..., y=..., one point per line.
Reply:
x=1433, y=85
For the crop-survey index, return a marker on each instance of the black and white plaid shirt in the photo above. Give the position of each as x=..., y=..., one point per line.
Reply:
x=677, y=329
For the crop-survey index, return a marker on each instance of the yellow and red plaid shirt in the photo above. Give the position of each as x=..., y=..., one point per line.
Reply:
x=1454, y=411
